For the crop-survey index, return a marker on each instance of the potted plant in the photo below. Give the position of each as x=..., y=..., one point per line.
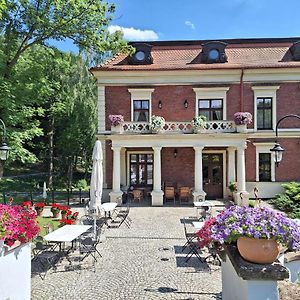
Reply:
x=55, y=209
x=242, y=119
x=64, y=210
x=116, y=122
x=199, y=124
x=233, y=189
x=157, y=124
x=257, y=231
x=39, y=207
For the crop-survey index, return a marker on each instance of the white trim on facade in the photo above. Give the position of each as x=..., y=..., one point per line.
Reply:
x=101, y=108
x=264, y=148
x=141, y=94
x=212, y=93
x=265, y=92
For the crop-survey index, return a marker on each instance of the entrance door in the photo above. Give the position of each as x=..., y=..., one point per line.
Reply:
x=213, y=175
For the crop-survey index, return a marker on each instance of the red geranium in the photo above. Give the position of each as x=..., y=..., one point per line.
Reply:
x=64, y=209
x=204, y=234
x=39, y=205
x=66, y=221
x=27, y=204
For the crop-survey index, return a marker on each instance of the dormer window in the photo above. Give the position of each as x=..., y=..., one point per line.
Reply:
x=142, y=55
x=213, y=52
x=295, y=49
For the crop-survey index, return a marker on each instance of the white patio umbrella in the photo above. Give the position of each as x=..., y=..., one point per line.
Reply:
x=96, y=180
x=44, y=191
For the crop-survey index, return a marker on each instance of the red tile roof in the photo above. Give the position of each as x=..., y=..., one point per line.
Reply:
x=256, y=53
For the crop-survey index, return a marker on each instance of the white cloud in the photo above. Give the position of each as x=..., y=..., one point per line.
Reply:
x=134, y=34
x=189, y=24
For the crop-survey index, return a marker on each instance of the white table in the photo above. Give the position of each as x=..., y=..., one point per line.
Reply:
x=108, y=206
x=198, y=225
x=67, y=233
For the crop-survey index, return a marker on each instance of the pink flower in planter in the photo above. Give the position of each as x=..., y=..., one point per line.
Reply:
x=242, y=118
x=116, y=120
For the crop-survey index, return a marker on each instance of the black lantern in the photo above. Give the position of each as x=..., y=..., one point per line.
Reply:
x=159, y=104
x=278, y=151
x=4, y=149
x=186, y=104
x=175, y=153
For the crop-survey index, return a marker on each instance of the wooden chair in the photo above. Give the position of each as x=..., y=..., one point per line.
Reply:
x=137, y=195
x=169, y=193
x=184, y=194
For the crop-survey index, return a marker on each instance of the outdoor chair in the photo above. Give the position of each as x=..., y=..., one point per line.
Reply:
x=189, y=232
x=169, y=193
x=88, y=246
x=44, y=259
x=137, y=195
x=184, y=194
x=122, y=217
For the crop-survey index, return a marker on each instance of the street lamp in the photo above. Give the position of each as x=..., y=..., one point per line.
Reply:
x=277, y=149
x=4, y=149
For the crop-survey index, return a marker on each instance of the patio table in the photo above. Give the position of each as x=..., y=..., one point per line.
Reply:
x=198, y=225
x=202, y=205
x=67, y=233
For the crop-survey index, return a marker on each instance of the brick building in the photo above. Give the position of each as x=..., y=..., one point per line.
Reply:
x=179, y=80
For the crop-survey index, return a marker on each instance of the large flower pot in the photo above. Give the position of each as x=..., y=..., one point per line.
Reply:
x=259, y=251
x=55, y=213
x=157, y=130
x=241, y=128
x=119, y=129
x=39, y=211
x=199, y=129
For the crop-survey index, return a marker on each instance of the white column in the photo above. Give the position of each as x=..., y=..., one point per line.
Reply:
x=243, y=195
x=123, y=167
x=101, y=108
x=198, y=193
x=116, y=194
x=231, y=165
x=157, y=193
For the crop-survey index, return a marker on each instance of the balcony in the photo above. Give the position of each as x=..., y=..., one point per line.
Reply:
x=179, y=127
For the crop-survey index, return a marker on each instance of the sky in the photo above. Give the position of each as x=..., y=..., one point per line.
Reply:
x=159, y=20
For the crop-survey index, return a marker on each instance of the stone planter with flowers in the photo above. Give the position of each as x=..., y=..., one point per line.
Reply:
x=242, y=119
x=157, y=124
x=199, y=124
x=245, y=226
x=116, y=122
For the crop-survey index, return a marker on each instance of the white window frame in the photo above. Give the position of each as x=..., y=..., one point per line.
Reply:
x=141, y=94
x=212, y=93
x=264, y=148
x=265, y=92
x=128, y=162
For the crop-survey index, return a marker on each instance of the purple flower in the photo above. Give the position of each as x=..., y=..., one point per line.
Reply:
x=258, y=222
x=242, y=118
x=116, y=120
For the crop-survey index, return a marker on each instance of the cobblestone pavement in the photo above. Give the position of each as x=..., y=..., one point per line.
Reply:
x=141, y=262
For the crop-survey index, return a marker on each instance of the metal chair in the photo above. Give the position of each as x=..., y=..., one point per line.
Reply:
x=88, y=246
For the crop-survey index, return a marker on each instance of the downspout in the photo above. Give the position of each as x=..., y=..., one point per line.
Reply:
x=242, y=91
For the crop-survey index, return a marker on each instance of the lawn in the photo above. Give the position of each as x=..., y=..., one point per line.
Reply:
x=47, y=221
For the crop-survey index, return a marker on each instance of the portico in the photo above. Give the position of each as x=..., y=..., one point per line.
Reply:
x=228, y=147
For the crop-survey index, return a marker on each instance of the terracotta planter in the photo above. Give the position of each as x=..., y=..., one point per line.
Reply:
x=55, y=214
x=259, y=251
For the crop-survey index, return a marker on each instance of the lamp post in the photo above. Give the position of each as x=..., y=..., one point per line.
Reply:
x=277, y=149
x=4, y=149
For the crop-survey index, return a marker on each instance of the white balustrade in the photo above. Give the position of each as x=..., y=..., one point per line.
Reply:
x=180, y=127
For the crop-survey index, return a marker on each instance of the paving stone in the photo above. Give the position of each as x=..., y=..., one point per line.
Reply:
x=131, y=266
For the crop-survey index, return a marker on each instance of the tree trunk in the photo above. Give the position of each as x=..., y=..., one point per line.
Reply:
x=1, y=169
x=51, y=151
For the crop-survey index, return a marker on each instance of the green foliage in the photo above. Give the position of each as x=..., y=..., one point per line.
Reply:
x=252, y=203
x=289, y=201
x=232, y=186
x=82, y=185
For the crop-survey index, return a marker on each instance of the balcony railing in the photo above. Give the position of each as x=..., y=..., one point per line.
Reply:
x=179, y=127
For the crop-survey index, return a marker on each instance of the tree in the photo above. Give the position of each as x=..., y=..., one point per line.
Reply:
x=29, y=22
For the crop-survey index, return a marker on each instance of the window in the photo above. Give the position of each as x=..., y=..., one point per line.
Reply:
x=211, y=108
x=264, y=166
x=141, y=110
x=264, y=107
x=141, y=104
x=264, y=113
x=141, y=169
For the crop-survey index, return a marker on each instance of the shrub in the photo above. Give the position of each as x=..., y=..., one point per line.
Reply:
x=289, y=200
x=82, y=185
x=199, y=122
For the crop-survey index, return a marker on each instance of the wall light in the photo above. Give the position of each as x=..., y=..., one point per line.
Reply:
x=159, y=104
x=175, y=153
x=186, y=104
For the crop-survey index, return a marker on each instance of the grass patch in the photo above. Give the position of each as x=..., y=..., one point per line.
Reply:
x=47, y=221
